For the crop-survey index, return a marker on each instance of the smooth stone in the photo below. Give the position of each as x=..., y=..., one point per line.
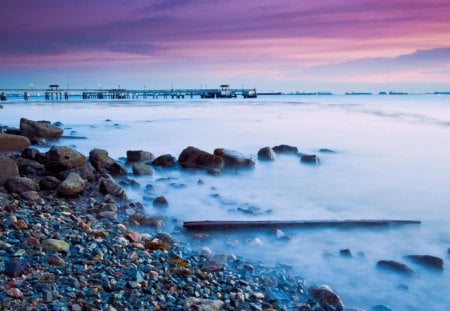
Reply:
x=109, y=186
x=49, y=183
x=309, y=159
x=200, y=304
x=139, y=155
x=165, y=161
x=30, y=195
x=10, y=142
x=72, y=186
x=160, y=202
x=194, y=158
x=326, y=298
x=20, y=184
x=395, y=266
x=63, y=158
x=325, y=150
x=142, y=169
x=346, y=253
x=266, y=154
x=39, y=129
x=55, y=245
x=8, y=169
x=55, y=260
x=285, y=149
x=233, y=159
x=427, y=261
x=16, y=267
x=103, y=163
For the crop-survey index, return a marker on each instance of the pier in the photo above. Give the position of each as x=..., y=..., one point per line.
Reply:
x=55, y=93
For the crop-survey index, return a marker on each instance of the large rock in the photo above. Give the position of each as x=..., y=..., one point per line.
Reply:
x=266, y=154
x=326, y=298
x=309, y=159
x=9, y=142
x=34, y=154
x=285, y=149
x=194, y=158
x=29, y=167
x=39, y=129
x=20, y=184
x=8, y=169
x=103, y=163
x=395, y=266
x=142, y=169
x=109, y=186
x=63, y=158
x=200, y=304
x=49, y=183
x=72, y=186
x=86, y=172
x=165, y=161
x=234, y=159
x=139, y=156
x=427, y=261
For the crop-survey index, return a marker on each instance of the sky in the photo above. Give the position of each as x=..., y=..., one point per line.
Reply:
x=272, y=45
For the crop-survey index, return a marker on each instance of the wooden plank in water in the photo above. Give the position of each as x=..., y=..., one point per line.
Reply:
x=211, y=225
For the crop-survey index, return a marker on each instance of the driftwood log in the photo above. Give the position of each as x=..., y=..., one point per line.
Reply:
x=211, y=225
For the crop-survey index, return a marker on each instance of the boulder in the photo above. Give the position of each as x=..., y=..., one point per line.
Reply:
x=395, y=266
x=8, y=169
x=13, y=131
x=194, y=158
x=165, y=161
x=285, y=149
x=427, y=261
x=20, y=184
x=72, y=186
x=142, y=169
x=63, y=158
x=34, y=154
x=309, y=159
x=9, y=142
x=49, y=183
x=86, y=172
x=326, y=298
x=234, y=159
x=139, y=156
x=201, y=304
x=160, y=202
x=109, y=186
x=266, y=154
x=39, y=129
x=103, y=163
x=29, y=167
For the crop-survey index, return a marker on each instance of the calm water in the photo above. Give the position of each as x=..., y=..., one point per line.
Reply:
x=391, y=161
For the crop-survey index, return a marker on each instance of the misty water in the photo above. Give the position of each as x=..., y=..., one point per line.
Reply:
x=391, y=161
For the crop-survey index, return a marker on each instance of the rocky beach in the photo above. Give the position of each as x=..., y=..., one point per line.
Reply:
x=71, y=240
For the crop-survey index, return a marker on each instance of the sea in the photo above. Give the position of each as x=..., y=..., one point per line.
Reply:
x=390, y=160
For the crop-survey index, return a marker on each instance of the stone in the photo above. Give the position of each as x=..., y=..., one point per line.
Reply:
x=29, y=167
x=160, y=202
x=9, y=142
x=380, y=308
x=63, y=158
x=309, y=159
x=86, y=171
x=165, y=161
x=55, y=260
x=14, y=293
x=133, y=236
x=139, y=156
x=100, y=160
x=346, y=253
x=395, y=266
x=325, y=150
x=8, y=169
x=200, y=304
x=20, y=225
x=30, y=153
x=285, y=149
x=233, y=159
x=39, y=129
x=266, y=154
x=49, y=183
x=72, y=186
x=151, y=221
x=20, y=184
x=142, y=169
x=427, y=261
x=326, y=298
x=109, y=186
x=16, y=267
x=55, y=245
x=194, y=158
x=30, y=195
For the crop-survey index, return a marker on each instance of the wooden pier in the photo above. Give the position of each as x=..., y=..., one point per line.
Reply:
x=55, y=93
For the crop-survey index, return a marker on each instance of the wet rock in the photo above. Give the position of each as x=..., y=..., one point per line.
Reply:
x=309, y=159
x=39, y=129
x=29, y=167
x=194, y=158
x=9, y=142
x=285, y=149
x=109, y=186
x=86, y=171
x=380, y=308
x=8, y=169
x=142, y=169
x=63, y=158
x=20, y=184
x=233, y=159
x=427, y=261
x=141, y=220
x=14, y=293
x=199, y=304
x=30, y=195
x=325, y=150
x=34, y=154
x=55, y=245
x=160, y=202
x=139, y=156
x=16, y=267
x=395, y=266
x=55, y=260
x=326, y=298
x=103, y=163
x=266, y=154
x=346, y=253
x=165, y=161
x=49, y=183
x=72, y=186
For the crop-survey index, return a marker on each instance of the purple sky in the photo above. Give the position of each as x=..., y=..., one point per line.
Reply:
x=364, y=45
